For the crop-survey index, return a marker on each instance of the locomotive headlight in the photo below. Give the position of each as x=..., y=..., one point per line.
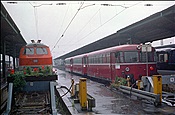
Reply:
x=127, y=69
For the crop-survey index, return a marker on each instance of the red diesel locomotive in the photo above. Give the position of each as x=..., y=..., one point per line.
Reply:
x=120, y=61
x=35, y=55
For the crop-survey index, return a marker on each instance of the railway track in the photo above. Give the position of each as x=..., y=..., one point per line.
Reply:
x=32, y=103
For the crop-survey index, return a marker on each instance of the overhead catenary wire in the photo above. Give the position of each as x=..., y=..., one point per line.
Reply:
x=36, y=19
x=62, y=35
x=106, y=22
x=98, y=27
x=68, y=25
x=86, y=23
x=62, y=24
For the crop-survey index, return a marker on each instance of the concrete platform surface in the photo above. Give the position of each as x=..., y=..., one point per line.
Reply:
x=109, y=102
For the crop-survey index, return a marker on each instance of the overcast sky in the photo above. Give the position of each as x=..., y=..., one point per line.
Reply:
x=61, y=24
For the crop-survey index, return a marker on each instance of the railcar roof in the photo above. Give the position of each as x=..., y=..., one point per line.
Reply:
x=82, y=55
x=36, y=45
x=111, y=49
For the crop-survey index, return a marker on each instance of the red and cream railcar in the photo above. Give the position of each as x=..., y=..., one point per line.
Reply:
x=78, y=64
x=121, y=61
x=69, y=64
x=35, y=55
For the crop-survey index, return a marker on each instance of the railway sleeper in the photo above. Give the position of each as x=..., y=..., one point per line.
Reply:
x=32, y=110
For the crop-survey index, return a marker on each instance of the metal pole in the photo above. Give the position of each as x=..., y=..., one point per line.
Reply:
x=14, y=50
x=53, y=100
x=146, y=61
x=9, y=100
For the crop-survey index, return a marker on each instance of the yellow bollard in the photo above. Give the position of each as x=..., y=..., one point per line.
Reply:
x=128, y=81
x=157, y=83
x=83, y=93
x=73, y=88
x=138, y=83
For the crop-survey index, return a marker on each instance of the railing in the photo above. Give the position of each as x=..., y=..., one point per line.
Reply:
x=156, y=98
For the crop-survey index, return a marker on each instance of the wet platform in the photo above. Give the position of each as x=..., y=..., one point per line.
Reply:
x=107, y=101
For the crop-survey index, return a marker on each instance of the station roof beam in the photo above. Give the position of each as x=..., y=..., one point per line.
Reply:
x=10, y=35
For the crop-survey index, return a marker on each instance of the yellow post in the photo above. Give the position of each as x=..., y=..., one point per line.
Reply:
x=83, y=93
x=73, y=88
x=128, y=81
x=138, y=83
x=157, y=83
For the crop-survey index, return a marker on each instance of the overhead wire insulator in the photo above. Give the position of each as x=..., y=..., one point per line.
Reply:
x=12, y=2
x=61, y=4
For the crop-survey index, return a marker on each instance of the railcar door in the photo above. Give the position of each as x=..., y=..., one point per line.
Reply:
x=112, y=66
x=71, y=65
x=84, y=63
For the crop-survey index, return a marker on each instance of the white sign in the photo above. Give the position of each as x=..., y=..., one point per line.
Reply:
x=146, y=48
x=117, y=66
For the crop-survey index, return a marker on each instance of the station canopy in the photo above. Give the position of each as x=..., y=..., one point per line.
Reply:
x=11, y=37
x=158, y=26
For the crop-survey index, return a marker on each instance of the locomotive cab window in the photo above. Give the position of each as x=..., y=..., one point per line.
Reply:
x=29, y=51
x=150, y=56
x=41, y=51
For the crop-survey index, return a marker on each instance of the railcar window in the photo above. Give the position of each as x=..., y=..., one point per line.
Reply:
x=101, y=58
x=161, y=58
x=172, y=57
x=67, y=61
x=119, y=57
x=41, y=51
x=90, y=60
x=108, y=58
x=95, y=59
x=151, y=56
x=29, y=51
x=104, y=58
x=131, y=57
x=77, y=61
x=85, y=61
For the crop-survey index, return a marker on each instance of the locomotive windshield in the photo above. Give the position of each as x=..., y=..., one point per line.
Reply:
x=41, y=51
x=29, y=51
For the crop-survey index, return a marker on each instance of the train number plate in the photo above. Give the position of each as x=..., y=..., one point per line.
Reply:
x=35, y=61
